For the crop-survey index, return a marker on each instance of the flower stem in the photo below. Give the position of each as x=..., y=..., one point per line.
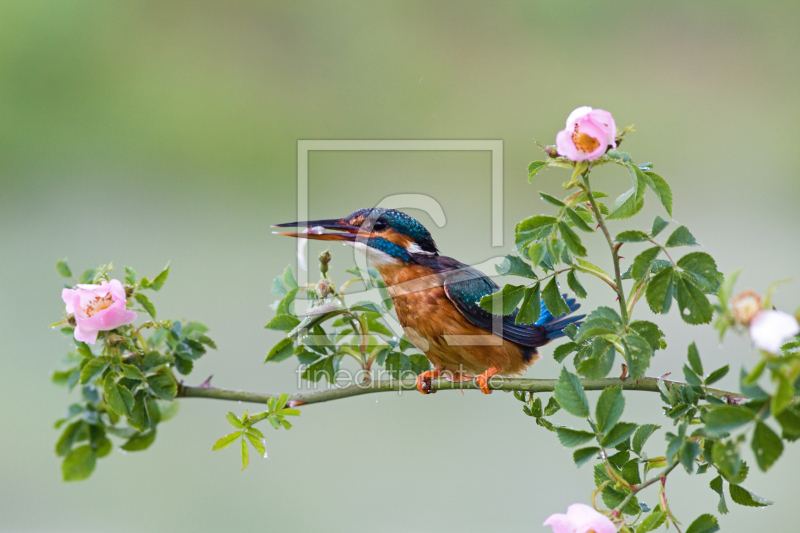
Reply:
x=623, y=308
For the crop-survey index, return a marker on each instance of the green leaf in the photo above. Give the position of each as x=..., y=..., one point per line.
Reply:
x=245, y=455
x=716, y=486
x=257, y=443
x=281, y=351
x=537, y=252
x=283, y=323
x=637, y=354
x=601, y=360
x=326, y=368
x=93, y=368
x=63, y=268
x=131, y=372
x=694, y=359
x=643, y=262
x=79, y=464
x=564, y=350
x=723, y=419
x=226, y=441
x=681, y=237
x=783, y=394
x=589, y=268
x=130, y=276
x=118, y=397
x=575, y=285
x=601, y=321
x=704, y=269
x=553, y=300
x=725, y=456
x=658, y=226
x=533, y=229
x=157, y=282
x=649, y=332
x=288, y=278
x=693, y=304
x=618, y=434
x=552, y=407
x=742, y=496
x=579, y=222
x=573, y=437
x=653, y=521
x=534, y=169
x=504, y=301
x=660, y=291
x=140, y=441
x=67, y=438
x=661, y=188
x=234, y=421
x=705, y=523
x=551, y=199
x=139, y=418
x=145, y=302
x=571, y=239
x=632, y=236
x=583, y=455
x=610, y=406
x=87, y=277
x=514, y=265
x=632, y=201
x=767, y=446
x=640, y=437
x=531, y=307
x=717, y=375
x=570, y=396
x=163, y=385
x=789, y=420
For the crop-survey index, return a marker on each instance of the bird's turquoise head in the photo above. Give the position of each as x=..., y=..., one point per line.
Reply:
x=385, y=235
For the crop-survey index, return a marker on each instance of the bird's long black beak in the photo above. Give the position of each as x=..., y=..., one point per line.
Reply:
x=321, y=230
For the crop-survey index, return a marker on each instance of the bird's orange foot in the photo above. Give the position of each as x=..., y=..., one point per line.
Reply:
x=424, y=381
x=483, y=379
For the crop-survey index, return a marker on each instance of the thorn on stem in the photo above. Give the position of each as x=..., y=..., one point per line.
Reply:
x=207, y=383
x=624, y=372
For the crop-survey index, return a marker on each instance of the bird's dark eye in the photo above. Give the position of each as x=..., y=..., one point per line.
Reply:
x=379, y=225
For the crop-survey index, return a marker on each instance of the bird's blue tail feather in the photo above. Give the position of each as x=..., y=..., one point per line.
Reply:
x=555, y=326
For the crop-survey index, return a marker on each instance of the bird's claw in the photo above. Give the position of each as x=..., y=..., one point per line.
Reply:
x=425, y=381
x=481, y=381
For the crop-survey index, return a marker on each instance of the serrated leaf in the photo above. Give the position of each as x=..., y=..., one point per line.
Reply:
x=586, y=266
x=767, y=446
x=573, y=437
x=531, y=306
x=725, y=456
x=553, y=299
x=653, y=521
x=742, y=496
x=618, y=434
x=163, y=385
x=717, y=375
x=716, y=486
x=514, y=265
x=637, y=354
x=681, y=237
x=600, y=362
x=723, y=419
x=117, y=397
x=234, y=421
x=632, y=236
x=93, y=368
x=281, y=351
x=601, y=321
x=649, y=332
x=575, y=285
x=537, y=252
x=643, y=262
x=504, y=301
x=226, y=441
x=571, y=239
x=630, y=202
x=551, y=199
x=610, y=406
x=145, y=302
x=705, y=523
x=157, y=282
x=578, y=220
x=694, y=359
x=693, y=304
x=661, y=290
x=582, y=455
x=283, y=323
x=533, y=229
x=534, y=169
x=661, y=188
x=288, y=278
x=257, y=443
x=564, y=350
x=640, y=437
x=658, y=226
x=570, y=396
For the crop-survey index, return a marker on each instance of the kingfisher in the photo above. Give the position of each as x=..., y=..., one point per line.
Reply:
x=436, y=299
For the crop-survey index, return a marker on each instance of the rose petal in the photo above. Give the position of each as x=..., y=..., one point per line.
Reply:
x=116, y=289
x=576, y=115
x=604, y=119
x=560, y=523
x=84, y=335
x=564, y=145
x=110, y=318
x=68, y=295
x=770, y=329
x=585, y=518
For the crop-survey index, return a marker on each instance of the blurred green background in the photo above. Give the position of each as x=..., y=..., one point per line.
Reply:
x=142, y=132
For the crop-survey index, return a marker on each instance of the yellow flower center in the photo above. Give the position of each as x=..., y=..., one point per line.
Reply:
x=584, y=142
x=746, y=306
x=98, y=304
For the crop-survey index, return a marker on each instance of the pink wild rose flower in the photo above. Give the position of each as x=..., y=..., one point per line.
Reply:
x=97, y=308
x=588, y=135
x=771, y=329
x=580, y=518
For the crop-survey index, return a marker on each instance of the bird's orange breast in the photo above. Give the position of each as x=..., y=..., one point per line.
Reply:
x=434, y=325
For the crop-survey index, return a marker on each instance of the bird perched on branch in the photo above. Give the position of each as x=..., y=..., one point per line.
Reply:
x=436, y=299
